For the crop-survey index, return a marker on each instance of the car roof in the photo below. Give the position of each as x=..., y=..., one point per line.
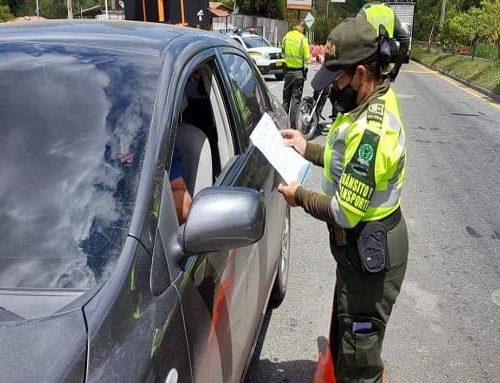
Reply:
x=245, y=34
x=132, y=36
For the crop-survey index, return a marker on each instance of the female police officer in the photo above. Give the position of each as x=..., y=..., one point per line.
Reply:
x=364, y=166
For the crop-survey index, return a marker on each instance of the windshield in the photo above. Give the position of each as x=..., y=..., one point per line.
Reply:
x=256, y=42
x=74, y=124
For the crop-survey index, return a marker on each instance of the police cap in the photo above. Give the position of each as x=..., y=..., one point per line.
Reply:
x=354, y=41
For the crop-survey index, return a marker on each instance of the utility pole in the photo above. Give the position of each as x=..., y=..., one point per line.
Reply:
x=441, y=16
x=70, y=9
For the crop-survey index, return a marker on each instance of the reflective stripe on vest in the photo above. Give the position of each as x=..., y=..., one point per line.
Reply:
x=294, y=49
x=365, y=163
x=377, y=14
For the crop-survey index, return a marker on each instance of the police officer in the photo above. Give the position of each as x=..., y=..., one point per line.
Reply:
x=376, y=13
x=296, y=53
x=364, y=166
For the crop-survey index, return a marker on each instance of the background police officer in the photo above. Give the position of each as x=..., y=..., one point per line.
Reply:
x=376, y=13
x=296, y=53
x=364, y=166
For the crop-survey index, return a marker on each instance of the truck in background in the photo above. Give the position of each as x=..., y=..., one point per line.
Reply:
x=405, y=11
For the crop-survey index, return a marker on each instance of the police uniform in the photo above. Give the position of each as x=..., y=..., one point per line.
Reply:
x=376, y=13
x=296, y=54
x=364, y=166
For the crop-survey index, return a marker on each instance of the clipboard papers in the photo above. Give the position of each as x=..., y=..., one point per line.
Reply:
x=289, y=164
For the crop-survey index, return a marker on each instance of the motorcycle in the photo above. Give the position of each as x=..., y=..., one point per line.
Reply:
x=308, y=116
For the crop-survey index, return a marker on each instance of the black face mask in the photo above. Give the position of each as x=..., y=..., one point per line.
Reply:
x=344, y=100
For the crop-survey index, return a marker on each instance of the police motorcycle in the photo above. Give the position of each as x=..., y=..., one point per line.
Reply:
x=308, y=116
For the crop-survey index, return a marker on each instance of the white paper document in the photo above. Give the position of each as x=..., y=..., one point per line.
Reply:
x=289, y=164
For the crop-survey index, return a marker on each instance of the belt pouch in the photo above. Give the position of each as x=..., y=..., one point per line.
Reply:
x=372, y=248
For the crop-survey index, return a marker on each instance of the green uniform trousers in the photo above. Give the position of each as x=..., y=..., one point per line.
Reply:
x=292, y=92
x=367, y=299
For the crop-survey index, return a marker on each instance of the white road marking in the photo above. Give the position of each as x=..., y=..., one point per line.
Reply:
x=495, y=297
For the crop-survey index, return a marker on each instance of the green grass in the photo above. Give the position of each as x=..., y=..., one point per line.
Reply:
x=487, y=51
x=485, y=73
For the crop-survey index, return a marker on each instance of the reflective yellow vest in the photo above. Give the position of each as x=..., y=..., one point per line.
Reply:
x=377, y=14
x=295, y=50
x=365, y=163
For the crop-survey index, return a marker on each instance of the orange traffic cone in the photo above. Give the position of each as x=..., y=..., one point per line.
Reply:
x=324, y=372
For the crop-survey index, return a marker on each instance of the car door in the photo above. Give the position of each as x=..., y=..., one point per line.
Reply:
x=250, y=101
x=216, y=293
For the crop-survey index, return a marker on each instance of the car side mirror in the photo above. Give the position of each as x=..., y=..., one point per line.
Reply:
x=223, y=218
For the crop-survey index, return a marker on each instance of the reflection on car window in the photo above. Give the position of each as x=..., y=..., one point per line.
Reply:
x=74, y=124
x=246, y=91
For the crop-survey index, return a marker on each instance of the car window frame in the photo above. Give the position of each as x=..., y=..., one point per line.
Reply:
x=174, y=92
x=230, y=89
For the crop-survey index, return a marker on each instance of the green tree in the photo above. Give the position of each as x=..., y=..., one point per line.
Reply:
x=265, y=8
x=426, y=18
x=465, y=28
x=5, y=14
x=490, y=20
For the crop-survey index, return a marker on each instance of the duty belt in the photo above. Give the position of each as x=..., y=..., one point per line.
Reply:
x=389, y=222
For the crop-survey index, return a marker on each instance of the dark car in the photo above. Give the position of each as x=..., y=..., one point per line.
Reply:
x=98, y=281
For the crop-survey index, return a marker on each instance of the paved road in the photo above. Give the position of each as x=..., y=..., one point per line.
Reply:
x=446, y=323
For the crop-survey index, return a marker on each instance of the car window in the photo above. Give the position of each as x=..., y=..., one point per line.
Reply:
x=246, y=91
x=256, y=42
x=204, y=136
x=74, y=125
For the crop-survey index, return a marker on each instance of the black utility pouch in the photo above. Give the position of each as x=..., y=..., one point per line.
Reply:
x=372, y=248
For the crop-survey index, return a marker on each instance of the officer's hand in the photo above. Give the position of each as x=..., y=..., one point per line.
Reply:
x=288, y=192
x=304, y=72
x=294, y=139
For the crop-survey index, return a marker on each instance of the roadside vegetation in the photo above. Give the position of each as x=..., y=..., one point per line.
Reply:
x=482, y=72
x=464, y=42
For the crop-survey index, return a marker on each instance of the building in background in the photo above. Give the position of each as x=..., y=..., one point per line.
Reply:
x=194, y=13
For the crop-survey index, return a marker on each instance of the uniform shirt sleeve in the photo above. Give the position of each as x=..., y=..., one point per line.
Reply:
x=176, y=167
x=315, y=154
x=317, y=205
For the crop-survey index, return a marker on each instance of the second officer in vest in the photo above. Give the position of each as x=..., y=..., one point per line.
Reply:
x=376, y=13
x=296, y=53
x=363, y=170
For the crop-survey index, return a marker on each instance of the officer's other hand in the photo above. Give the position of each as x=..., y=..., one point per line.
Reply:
x=288, y=192
x=294, y=139
x=304, y=72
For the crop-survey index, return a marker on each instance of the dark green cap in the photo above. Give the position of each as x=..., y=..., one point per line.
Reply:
x=351, y=42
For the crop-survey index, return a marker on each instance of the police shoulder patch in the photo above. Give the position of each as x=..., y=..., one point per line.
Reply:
x=376, y=110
